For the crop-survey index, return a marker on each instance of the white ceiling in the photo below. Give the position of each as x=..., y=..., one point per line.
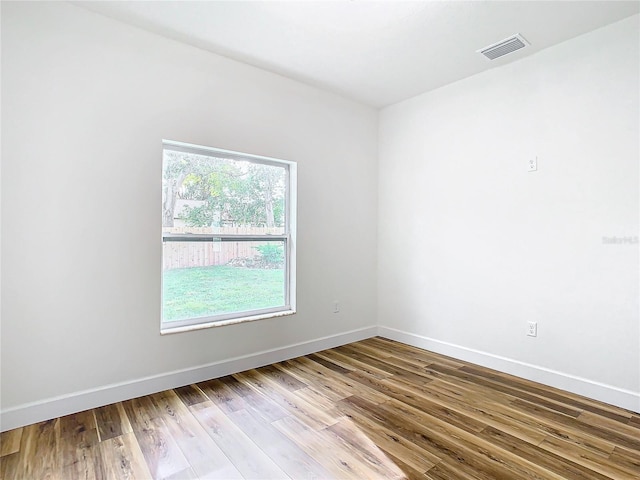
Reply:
x=378, y=52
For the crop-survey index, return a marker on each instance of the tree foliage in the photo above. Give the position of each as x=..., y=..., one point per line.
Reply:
x=233, y=192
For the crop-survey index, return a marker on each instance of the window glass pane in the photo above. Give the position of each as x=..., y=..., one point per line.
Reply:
x=207, y=194
x=202, y=279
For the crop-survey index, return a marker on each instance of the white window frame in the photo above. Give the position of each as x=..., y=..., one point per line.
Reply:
x=288, y=237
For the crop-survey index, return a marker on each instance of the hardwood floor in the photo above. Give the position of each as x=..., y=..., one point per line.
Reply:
x=368, y=410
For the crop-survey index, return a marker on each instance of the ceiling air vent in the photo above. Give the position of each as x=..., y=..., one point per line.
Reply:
x=508, y=45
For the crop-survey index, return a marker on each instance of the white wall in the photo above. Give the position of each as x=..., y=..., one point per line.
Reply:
x=86, y=102
x=472, y=246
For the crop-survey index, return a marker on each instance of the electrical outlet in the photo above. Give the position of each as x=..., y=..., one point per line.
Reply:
x=336, y=307
x=532, y=329
x=532, y=165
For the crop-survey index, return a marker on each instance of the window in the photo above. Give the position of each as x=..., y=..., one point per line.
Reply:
x=228, y=237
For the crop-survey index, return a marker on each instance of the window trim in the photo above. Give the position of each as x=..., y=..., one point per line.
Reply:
x=288, y=238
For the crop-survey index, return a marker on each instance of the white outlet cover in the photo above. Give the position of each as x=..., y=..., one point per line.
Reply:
x=532, y=164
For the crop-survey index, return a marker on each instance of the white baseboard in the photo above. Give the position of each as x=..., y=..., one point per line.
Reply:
x=581, y=386
x=76, y=402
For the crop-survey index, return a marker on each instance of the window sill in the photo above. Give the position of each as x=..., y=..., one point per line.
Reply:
x=222, y=323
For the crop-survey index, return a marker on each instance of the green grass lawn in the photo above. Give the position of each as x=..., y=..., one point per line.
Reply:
x=204, y=291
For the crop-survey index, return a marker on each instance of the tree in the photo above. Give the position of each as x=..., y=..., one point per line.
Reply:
x=242, y=192
x=265, y=181
x=175, y=170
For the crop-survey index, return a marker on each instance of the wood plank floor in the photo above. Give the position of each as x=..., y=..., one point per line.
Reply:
x=368, y=410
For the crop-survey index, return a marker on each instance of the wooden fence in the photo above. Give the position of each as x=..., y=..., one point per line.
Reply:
x=205, y=254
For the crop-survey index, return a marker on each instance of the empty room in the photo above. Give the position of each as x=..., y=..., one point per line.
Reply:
x=320, y=239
